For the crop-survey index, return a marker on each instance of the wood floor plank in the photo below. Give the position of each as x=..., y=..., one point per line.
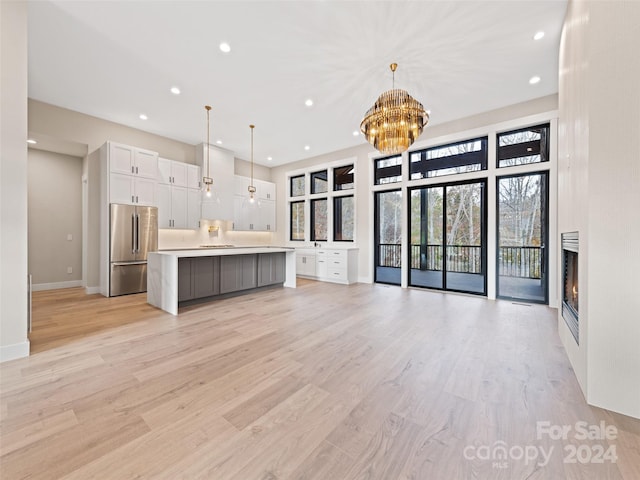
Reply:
x=324, y=381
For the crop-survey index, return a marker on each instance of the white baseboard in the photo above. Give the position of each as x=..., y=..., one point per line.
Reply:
x=92, y=290
x=365, y=279
x=11, y=352
x=37, y=287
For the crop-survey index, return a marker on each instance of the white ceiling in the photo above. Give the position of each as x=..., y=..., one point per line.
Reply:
x=116, y=60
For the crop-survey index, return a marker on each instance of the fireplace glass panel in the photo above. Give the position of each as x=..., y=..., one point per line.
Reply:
x=571, y=280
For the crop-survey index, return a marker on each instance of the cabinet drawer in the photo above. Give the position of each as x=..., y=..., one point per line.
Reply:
x=337, y=274
x=337, y=254
x=337, y=262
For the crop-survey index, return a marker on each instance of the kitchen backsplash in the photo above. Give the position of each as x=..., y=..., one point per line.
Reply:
x=168, y=239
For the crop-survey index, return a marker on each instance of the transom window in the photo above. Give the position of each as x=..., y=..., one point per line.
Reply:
x=460, y=157
x=388, y=170
x=523, y=146
x=297, y=185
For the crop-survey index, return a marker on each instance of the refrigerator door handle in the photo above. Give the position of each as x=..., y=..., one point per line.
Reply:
x=137, y=233
x=133, y=233
x=125, y=264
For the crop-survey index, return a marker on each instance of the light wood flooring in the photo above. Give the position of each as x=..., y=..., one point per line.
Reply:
x=324, y=381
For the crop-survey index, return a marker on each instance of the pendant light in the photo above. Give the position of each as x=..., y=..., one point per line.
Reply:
x=251, y=188
x=395, y=121
x=207, y=181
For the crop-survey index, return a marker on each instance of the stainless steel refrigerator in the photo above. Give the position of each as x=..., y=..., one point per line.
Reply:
x=133, y=233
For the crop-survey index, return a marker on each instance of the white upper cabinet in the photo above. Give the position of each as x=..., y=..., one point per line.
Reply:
x=178, y=204
x=193, y=176
x=135, y=161
x=130, y=174
x=218, y=206
x=171, y=172
x=257, y=217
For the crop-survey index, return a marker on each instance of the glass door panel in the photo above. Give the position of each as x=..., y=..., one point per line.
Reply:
x=522, y=234
x=448, y=237
x=464, y=267
x=427, y=239
x=388, y=235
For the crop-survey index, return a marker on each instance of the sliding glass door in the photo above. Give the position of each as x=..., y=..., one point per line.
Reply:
x=522, y=237
x=448, y=237
x=388, y=236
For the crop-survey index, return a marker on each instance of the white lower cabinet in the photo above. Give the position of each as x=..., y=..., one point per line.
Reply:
x=338, y=265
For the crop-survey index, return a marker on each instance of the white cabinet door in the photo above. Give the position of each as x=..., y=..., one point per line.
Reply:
x=121, y=159
x=146, y=163
x=193, y=176
x=267, y=216
x=145, y=191
x=241, y=218
x=179, y=207
x=121, y=189
x=193, y=208
x=265, y=190
x=219, y=206
x=321, y=264
x=164, y=205
x=164, y=171
x=179, y=174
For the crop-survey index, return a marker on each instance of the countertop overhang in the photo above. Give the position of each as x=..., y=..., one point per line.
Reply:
x=215, y=252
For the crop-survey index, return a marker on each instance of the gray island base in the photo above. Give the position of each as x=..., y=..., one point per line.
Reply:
x=177, y=277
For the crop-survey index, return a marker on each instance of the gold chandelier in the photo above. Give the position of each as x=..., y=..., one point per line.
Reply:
x=395, y=121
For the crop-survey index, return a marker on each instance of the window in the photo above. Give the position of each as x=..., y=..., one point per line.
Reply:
x=319, y=220
x=322, y=202
x=297, y=220
x=297, y=186
x=343, y=178
x=523, y=146
x=343, y=218
x=319, y=183
x=461, y=157
x=388, y=170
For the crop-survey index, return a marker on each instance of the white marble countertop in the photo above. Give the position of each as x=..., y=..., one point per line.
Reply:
x=215, y=252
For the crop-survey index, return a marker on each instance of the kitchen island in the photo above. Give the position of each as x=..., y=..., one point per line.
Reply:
x=177, y=277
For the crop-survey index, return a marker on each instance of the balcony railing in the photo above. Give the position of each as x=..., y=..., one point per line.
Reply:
x=523, y=262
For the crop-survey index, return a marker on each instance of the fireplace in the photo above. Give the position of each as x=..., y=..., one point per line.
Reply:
x=570, y=310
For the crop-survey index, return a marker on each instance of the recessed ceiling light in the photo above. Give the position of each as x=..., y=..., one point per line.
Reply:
x=356, y=133
x=219, y=142
x=31, y=141
x=533, y=80
x=538, y=35
x=225, y=47
x=308, y=102
x=307, y=147
x=143, y=116
x=175, y=90
x=269, y=158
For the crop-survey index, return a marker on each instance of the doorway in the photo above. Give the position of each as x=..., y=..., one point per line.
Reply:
x=447, y=225
x=388, y=237
x=522, y=220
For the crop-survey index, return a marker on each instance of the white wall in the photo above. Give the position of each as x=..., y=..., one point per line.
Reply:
x=599, y=178
x=13, y=180
x=55, y=211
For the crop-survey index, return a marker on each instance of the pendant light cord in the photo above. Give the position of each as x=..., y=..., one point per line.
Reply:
x=252, y=127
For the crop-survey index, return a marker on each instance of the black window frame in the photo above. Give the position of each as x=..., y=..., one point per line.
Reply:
x=337, y=218
x=338, y=184
x=291, y=204
x=312, y=177
x=380, y=173
x=427, y=165
x=312, y=223
x=520, y=150
x=291, y=179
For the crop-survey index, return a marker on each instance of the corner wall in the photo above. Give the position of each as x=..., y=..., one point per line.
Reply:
x=13, y=181
x=599, y=195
